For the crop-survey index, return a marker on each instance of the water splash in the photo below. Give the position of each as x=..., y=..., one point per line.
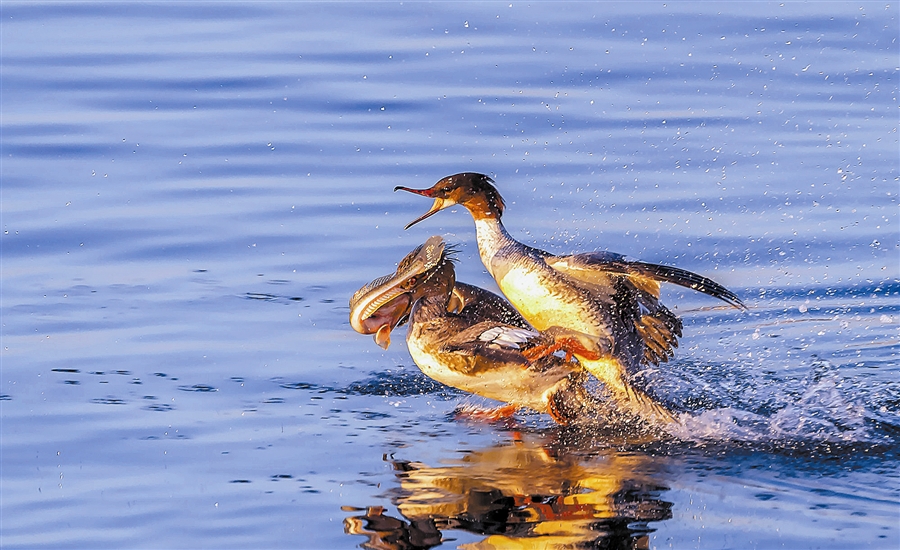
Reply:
x=821, y=410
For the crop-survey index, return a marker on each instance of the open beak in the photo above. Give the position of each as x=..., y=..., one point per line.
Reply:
x=437, y=206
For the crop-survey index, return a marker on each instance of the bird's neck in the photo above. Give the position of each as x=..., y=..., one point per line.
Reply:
x=480, y=207
x=429, y=308
x=492, y=237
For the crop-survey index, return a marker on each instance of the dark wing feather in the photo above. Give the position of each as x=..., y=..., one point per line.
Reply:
x=585, y=267
x=660, y=330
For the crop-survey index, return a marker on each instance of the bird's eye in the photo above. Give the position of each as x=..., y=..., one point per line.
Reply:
x=445, y=190
x=412, y=280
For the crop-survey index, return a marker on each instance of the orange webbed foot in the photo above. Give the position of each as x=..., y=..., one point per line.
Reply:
x=575, y=346
x=574, y=343
x=486, y=414
x=539, y=352
x=571, y=346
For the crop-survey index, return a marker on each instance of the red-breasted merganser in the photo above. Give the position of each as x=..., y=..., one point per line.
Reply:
x=604, y=296
x=471, y=339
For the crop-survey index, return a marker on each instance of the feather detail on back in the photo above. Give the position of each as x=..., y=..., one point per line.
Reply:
x=507, y=336
x=489, y=335
x=500, y=346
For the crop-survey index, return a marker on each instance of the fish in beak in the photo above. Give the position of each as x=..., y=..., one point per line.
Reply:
x=383, y=304
x=378, y=308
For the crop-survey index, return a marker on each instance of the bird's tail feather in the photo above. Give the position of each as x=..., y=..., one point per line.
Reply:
x=628, y=399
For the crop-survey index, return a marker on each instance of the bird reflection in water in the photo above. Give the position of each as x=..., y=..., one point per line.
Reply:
x=521, y=494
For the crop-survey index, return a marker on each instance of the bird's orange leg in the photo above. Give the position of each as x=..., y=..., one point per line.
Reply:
x=539, y=352
x=482, y=414
x=570, y=345
x=574, y=346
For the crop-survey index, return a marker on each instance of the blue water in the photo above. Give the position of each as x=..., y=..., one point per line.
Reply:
x=192, y=191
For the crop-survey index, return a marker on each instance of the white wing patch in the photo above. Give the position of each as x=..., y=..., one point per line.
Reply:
x=508, y=337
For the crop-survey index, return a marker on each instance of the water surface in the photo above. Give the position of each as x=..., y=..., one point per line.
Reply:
x=191, y=193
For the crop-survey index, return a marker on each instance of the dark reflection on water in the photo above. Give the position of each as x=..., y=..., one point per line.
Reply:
x=596, y=487
x=535, y=491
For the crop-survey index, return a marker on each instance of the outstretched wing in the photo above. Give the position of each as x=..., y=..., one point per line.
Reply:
x=594, y=267
x=637, y=284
